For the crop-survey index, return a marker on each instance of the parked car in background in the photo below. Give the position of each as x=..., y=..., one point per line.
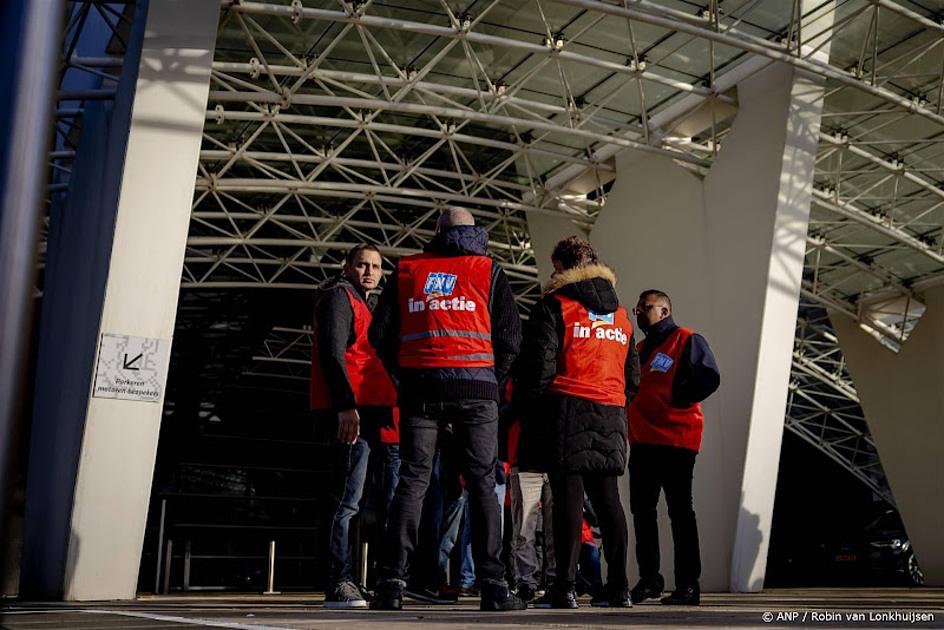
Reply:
x=881, y=552
x=877, y=553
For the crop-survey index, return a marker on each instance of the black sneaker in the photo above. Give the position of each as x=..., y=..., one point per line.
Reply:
x=344, y=594
x=526, y=592
x=555, y=598
x=685, y=596
x=618, y=598
x=499, y=597
x=388, y=596
x=428, y=596
x=647, y=589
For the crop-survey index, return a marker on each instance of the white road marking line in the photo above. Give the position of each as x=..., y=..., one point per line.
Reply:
x=209, y=623
x=34, y=612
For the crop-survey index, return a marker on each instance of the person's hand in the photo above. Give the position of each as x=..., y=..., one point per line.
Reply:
x=349, y=426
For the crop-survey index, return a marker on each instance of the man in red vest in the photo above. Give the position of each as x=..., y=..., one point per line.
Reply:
x=354, y=397
x=665, y=429
x=447, y=325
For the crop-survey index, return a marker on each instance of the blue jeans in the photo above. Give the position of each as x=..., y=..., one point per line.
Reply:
x=451, y=520
x=589, y=572
x=468, y=564
x=350, y=466
x=349, y=471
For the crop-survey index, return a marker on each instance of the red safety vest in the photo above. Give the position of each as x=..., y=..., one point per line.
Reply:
x=369, y=380
x=444, y=317
x=391, y=435
x=514, y=437
x=514, y=428
x=591, y=362
x=652, y=418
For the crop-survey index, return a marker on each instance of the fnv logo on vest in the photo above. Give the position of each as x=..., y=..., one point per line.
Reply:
x=661, y=363
x=438, y=288
x=597, y=319
x=598, y=328
x=439, y=284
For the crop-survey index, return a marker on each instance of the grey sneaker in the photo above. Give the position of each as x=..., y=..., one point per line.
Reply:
x=344, y=594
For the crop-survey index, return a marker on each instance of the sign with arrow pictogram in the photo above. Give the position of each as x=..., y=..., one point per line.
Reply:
x=129, y=365
x=131, y=368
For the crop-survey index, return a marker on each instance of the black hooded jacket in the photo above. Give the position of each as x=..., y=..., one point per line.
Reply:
x=335, y=330
x=438, y=384
x=561, y=433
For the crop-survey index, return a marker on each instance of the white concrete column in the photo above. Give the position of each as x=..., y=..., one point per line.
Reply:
x=106, y=508
x=903, y=400
x=729, y=251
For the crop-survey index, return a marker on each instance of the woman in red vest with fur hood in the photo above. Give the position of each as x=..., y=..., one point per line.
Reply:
x=577, y=370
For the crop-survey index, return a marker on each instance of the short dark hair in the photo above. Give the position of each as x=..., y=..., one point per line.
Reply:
x=357, y=249
x=659, y=294
x=574, y=252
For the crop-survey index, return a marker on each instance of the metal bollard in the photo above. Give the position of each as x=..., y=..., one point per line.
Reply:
x=271, y=590
x=160, y=548
x=167, y=562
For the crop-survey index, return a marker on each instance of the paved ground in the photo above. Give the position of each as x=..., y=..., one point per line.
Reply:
x=819, y=608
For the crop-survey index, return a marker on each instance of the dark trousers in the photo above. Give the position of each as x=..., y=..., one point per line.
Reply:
x=475, y=426
x=440, y=517
x=652, y=469
x=603, y=492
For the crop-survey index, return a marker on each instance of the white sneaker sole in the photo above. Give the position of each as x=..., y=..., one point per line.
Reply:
x=358, y=603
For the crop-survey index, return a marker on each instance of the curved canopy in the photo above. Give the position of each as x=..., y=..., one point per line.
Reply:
x=334, y=122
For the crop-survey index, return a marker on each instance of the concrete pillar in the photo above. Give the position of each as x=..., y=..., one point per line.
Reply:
x=729, y=250
x=545, y=231
x=903, y=401
x=116, y=282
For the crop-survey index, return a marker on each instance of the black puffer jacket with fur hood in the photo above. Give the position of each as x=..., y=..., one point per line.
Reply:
x=561, y=433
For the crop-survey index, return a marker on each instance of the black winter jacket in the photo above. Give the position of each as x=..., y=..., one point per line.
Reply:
x=561, y=433
x=440, y=384
x=335, y=330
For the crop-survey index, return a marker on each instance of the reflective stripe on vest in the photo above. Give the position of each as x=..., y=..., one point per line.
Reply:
x=473, y=357
x=652, y=418
x=444, y=316
x=591, y=362
x=369, y=380
x=444, y=333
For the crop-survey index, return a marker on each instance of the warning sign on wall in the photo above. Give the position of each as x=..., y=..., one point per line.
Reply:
x=131, y=368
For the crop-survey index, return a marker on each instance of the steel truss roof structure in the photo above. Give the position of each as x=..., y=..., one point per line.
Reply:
x=823, y=406
x=334, y=122
x=94, y=41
